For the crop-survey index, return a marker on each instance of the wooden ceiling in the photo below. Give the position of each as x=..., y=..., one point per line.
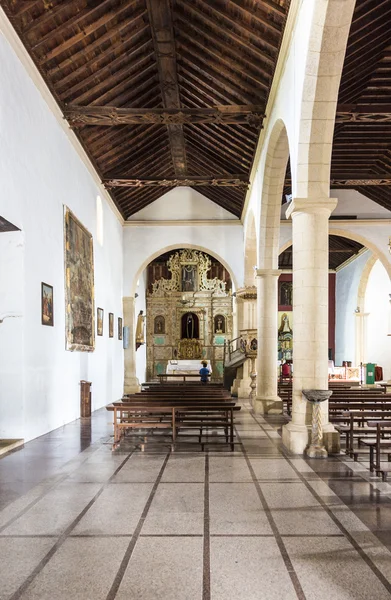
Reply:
x=340, y=250
x=160, y=92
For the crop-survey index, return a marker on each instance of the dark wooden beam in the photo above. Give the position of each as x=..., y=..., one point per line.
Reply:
x=342, y=181
x=237, y=181
x=356, y=182
x=365, y=113
x=160, y=18
x=248, y=114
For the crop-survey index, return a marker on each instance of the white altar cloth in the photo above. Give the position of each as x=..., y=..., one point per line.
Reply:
x=186, y=367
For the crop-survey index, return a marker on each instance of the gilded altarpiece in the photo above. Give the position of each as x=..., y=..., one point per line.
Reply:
x=196, y=311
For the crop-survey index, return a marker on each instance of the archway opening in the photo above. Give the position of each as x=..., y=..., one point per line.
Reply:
x=187, y=297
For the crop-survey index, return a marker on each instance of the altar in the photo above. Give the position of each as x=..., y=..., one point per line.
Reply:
x=186, y=367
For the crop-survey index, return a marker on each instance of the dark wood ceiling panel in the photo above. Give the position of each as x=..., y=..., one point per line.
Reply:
x=161, y=55
x=340, y=250
x=362, y=138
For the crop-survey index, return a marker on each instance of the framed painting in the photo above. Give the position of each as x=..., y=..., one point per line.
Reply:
x=99, y=321
x=79, y=285
x=47, y=315
x=120, y=328
x=111, y=324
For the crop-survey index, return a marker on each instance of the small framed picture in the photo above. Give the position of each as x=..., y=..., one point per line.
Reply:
x=111, y=324
x=99, y=321
x=120, y=328
x=47, y=311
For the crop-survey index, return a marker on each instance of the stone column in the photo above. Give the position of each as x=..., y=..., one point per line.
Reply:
x=310, y=319
x=131, y=383
x=247, y=301
x=267, y=399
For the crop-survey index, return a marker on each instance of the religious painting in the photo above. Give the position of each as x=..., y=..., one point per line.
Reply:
x=189, y=278
x=219, y=324
x=111, y=324
x=47, y=315
x=285, y=293
x=159, y=325
x=79, y=285
x=99, y=321
x=120, y=328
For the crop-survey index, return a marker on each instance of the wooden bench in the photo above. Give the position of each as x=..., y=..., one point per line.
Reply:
x=358, y=426
x=377, y=445
x=174, y=415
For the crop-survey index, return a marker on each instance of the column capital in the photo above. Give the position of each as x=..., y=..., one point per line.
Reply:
x=311, y=206
x=247, y=293
x=268, y=272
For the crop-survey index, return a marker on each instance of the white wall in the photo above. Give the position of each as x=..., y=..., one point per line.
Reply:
x=182, y=204
x=40, y=171
x=141, y=304
x=346, y=291
x=378, y=347
x=144, y=243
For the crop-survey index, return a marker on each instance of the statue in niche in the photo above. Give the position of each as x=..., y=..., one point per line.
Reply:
x=189, y=277
x=285, y=339
x=159, y=325
x=219, y=324
x=140, y=330
x=190, y=326
x=285, y=293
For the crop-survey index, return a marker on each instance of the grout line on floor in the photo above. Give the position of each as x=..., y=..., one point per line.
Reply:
x=22, y=588
x=129, y=551
x=280, y=543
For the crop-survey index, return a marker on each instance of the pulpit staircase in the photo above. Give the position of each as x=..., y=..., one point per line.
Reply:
x=236, y=352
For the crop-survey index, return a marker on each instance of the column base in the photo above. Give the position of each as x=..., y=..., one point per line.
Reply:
x=295, y=437
x=271, y=405
x=244, y=389
x=132, y=385
x=316, y=452
x=331, y=439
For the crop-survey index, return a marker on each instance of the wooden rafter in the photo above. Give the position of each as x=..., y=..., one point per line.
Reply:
x=160, y=18
x=236, y=181
x=111, y=115
x=371, y=113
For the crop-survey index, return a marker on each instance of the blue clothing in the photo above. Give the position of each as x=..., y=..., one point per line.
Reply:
x=204, y=372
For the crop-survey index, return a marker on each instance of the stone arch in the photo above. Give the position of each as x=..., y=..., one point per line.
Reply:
x=272, y=188
x=250, y=250
x=362, y=287
x=330, y=25
x=378, y=255
x=165, y=249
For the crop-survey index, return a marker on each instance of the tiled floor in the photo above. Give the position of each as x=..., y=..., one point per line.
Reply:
x=146, y=522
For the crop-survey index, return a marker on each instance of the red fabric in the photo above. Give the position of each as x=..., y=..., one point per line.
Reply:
x=378, y=373
x=285, y=370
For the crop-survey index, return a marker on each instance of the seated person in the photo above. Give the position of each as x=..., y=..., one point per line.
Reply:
x=204, y=372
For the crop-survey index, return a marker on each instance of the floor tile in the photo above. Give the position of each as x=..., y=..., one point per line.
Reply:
x=235, y=508
x=55, y=511
x=117, y=510
x=166, y=568
x=176, y=509
x=82, y=569
x=229, y=469
x=272, y=469
x=19, y=557
x=185, y=468
x=331, y=568
x=248, y=569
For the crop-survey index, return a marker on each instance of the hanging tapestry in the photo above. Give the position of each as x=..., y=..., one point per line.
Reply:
x=79, y=285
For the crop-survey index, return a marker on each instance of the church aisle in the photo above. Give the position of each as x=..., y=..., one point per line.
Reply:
x=254, y=524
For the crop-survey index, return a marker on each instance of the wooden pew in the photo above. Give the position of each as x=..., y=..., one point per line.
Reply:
x=377, y=445
x=174, y=415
